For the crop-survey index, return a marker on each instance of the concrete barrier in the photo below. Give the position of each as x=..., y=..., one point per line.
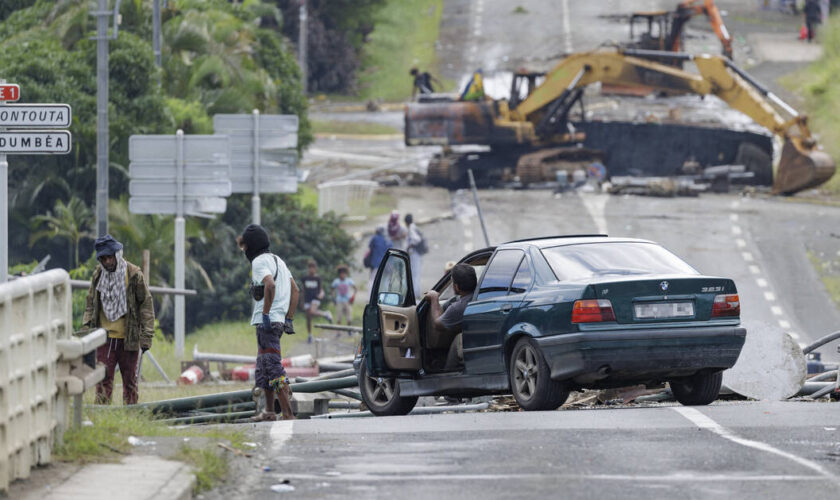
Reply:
x=35, y=313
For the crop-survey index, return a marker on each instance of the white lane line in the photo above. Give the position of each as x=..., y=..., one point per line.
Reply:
x=736, y=230
x=658, y=478
x=735, y=204
x=596, y=204
x=761, y=282
x=793, y=335
x=704, y=422
x=477, y=31
x=784, y=324
x=468, y=247
x=769, y=297
x=755, y=270
x=567, y=29
x=747, y=256
x=281, y=431
x=468, y=233
x=733, y=217
x=741, y=243
x=776, y=310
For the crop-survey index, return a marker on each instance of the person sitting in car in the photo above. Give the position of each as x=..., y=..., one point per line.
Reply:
x=449, y=319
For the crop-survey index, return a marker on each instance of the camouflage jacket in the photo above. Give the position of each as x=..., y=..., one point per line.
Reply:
x=140, y=318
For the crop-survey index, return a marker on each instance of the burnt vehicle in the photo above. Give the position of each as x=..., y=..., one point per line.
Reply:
x=552, y=315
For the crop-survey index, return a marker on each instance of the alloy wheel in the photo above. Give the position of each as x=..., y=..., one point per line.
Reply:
x=381, y=389
x=526, y=371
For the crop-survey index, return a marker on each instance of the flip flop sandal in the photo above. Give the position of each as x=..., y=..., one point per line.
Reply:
x=264, y=417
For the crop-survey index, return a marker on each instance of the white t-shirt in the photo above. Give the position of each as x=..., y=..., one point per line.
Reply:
x=268, y=264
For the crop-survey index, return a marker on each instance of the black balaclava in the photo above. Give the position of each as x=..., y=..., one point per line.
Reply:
x=256, y=241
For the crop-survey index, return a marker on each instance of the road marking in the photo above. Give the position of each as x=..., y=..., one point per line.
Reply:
x=762, y=283
x=755, y=270
x=747, y=256
x=477, y=31
x=735, y=204
x=281, y=431
x=784, y=324
x=701, y=420
x=595, y=204
x=776, y=310
x=793, y=335
x=468, y=247
x=736, y=230
x=567, y=29
x=769, y=296
x=468, y=233
x=733, y=217
x=741, y=243
x=658, y=478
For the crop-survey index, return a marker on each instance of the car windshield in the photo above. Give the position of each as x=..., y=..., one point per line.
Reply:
x=580, y=262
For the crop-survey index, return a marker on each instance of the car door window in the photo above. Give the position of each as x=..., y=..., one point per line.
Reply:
x=393, y=284
x=499, y=274
x=522, y=280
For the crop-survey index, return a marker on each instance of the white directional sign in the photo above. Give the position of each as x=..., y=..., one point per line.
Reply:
x=197, y=148
x=35, y=116
x=162, y=170
x=35, y=142
x=168, y=206
x=168, y=188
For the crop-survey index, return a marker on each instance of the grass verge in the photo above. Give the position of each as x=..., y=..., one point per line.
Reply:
x=829, y=272
x=404, y=36
x=818, y=84
x=352, y=128
x=210, y=467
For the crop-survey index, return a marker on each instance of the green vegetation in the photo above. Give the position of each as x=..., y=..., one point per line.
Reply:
x=520, y=10
x=357, y=128
x=822, y=94
x=404, y=36
x=829, y=272
x=210, y=467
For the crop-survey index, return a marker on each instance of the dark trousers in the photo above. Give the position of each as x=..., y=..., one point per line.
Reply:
x=812, y=29
x=111, y=354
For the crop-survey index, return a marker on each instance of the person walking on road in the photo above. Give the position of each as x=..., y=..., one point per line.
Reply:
x=119, y=301
x=345, y=294
x=396, y=232
x=313, y=294
x=416, y=246
x=377, y=246
x=813, y=16
x=275, y=296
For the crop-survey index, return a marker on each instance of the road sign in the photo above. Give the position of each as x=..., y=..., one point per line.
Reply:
x=9, y=92
x=160, y=170
x=162, y=188
x=197, y=148
x=35, y=116
x=286, y=184
x=35, y=142
x=200, y=207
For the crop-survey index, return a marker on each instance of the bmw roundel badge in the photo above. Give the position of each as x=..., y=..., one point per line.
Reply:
x=664, y=286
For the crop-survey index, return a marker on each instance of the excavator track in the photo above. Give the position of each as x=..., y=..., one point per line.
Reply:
x=543, y=165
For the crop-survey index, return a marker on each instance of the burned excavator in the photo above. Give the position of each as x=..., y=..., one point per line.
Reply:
x=532, y=135
x=664, y=29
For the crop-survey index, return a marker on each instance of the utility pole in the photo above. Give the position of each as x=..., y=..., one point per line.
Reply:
x=302, y=46
x=102, y=15
x=4, y=214
x=156, y=31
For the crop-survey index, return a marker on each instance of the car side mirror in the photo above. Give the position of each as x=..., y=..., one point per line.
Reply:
x=390, y=298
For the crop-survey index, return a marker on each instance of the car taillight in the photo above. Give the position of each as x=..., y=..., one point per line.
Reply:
x=592, y=311
x=726, y=305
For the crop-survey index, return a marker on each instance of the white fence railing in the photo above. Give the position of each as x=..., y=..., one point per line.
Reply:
x=345, y=197
x=35, y=313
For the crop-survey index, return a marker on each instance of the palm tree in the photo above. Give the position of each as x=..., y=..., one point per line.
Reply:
x=71, y=221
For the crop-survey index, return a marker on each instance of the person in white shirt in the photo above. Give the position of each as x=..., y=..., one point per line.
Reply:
x=275, y=296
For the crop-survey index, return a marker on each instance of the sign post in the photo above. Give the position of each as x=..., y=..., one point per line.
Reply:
x=263, y=155
x=26, y=116
x=179, y=175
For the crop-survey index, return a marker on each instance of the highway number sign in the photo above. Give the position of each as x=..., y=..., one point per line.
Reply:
x=35, y=142
x=9, y=92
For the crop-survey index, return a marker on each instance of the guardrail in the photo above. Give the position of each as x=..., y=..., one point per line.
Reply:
x=155, y=290
x=73, y=375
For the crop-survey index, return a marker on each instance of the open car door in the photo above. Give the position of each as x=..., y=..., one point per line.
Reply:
x=391, y=332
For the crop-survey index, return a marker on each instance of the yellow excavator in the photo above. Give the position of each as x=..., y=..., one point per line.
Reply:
x=665, y=28
x=532, y=128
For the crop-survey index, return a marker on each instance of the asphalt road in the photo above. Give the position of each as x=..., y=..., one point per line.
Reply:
x=755, y=450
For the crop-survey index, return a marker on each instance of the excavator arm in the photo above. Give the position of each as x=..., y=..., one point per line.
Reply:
x=689, y=8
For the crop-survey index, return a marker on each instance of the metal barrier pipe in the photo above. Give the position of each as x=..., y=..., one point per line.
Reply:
x=203, y=419
x=821, y=342
x=348, y=394
x=341, y=328
x=334, y=367
x=156, y=290
x=420, y=410
x=222, y=358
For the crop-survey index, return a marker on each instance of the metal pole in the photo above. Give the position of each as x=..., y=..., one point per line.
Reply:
x=4, y=215
x=102, y=16
x=478, y=206
x=302, y=46
x=156, y=30
x=180, y=237
x=255, y=199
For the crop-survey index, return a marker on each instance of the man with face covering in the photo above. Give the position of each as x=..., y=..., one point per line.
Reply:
x=119, y=301
x=275, y=296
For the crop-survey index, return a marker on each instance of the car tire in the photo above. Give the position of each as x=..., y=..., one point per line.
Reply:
x=697, y=390
x=530, y=379
x=381, y=395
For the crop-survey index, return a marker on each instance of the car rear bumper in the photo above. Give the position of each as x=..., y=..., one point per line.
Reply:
x=611, y=357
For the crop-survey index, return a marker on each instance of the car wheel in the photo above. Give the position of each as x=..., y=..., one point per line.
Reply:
x=700, y=389
x=530, y=379
x=382, y=394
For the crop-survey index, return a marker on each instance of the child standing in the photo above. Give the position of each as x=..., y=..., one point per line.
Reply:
x=343, y=296
x=313, y=293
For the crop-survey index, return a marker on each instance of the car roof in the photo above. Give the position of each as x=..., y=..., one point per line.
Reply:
x=556, y=241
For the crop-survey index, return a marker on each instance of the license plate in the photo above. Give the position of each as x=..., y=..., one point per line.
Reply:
x=662, y=310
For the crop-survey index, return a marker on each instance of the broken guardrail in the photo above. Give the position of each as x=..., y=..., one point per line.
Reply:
x=72, y=375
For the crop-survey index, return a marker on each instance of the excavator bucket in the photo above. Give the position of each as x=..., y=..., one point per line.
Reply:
x=800, y=170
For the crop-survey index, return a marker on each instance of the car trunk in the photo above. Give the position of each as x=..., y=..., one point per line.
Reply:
x=662, y=299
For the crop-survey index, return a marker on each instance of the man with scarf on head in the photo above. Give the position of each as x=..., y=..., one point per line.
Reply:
x=275, y=296
x=119, y=301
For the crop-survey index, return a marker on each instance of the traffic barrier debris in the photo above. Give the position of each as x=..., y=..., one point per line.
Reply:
x=419, y=410
x=191, y=375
